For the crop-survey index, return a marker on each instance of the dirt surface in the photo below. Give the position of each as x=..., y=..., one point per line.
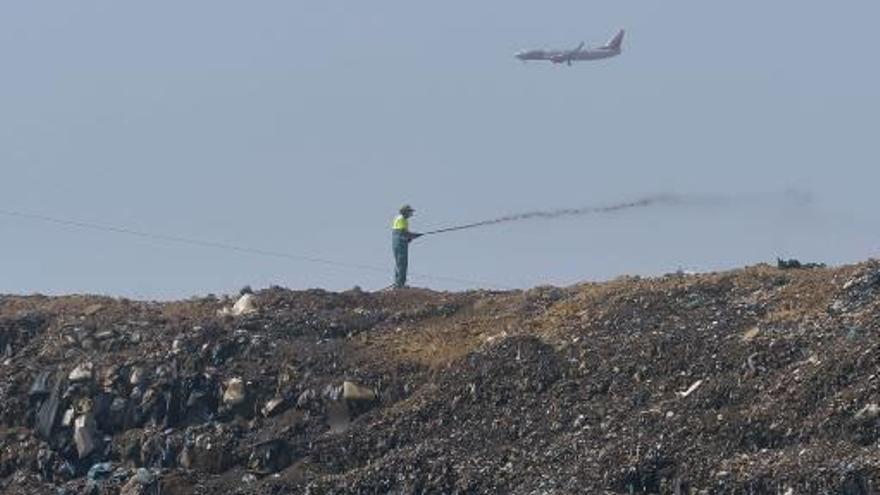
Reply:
x=760, y=380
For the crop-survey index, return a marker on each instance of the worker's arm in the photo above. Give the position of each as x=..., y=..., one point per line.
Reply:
x=410, y=236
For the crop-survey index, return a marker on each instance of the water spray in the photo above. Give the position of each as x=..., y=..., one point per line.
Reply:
x=658, y=200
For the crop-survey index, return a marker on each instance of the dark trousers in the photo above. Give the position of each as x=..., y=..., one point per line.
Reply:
x=400, y=246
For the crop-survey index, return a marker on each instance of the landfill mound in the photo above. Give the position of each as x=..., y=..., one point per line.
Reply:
x=760, y=380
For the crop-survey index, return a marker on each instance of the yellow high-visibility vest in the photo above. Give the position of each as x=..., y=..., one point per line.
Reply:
x=400, y=223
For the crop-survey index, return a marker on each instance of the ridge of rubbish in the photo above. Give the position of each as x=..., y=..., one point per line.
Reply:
x=759, y=380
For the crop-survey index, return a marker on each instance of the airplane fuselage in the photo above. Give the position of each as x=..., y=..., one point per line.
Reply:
x=595, y=54
x=561, y=56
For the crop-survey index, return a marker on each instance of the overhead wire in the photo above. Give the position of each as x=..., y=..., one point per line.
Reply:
x=87, y=225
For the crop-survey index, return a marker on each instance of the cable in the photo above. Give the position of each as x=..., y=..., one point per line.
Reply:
x=228, y=247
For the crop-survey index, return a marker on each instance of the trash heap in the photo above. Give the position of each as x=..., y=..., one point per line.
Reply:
x=760, y=380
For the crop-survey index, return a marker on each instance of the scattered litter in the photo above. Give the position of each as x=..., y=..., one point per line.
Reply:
x=750, y=334
x=84, y=435
x=234, y=393
x=273, y=407
x=793, y=264
x=870, y=411
x=100, y=471
x=81, y=373
x=352, y=391
x=245, y=305
x=690, y=389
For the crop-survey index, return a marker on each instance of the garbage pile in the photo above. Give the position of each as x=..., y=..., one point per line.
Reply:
x=760, y=380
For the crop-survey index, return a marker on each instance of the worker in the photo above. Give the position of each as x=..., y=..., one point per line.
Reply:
x=400, y=239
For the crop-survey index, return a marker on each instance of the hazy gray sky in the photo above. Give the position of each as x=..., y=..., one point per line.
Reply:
x=301, y=126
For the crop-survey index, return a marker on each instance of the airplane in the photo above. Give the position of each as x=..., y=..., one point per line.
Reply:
x=610, y=49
